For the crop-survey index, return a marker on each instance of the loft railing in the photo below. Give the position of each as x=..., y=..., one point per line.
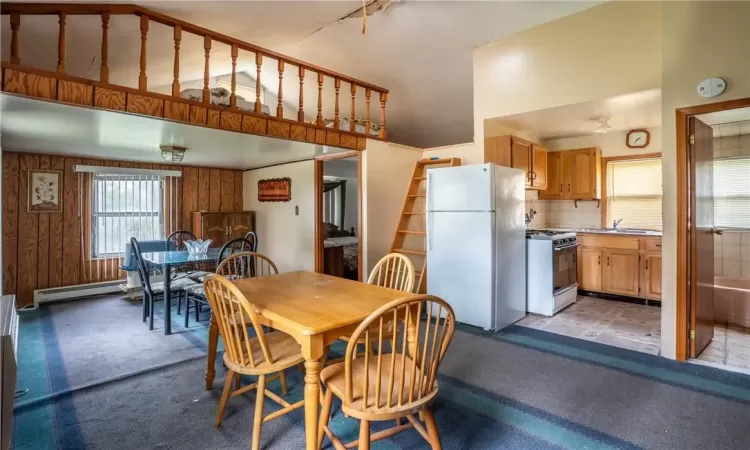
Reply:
x=17, y=10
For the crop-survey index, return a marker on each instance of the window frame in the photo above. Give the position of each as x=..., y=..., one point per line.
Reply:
x=237, y=87
x=605, y=184
x=94, y=215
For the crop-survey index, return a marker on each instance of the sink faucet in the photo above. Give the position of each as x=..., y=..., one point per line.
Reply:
x=615, y=223
x=529, y=216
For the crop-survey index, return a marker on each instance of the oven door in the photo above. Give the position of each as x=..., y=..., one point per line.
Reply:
x=565, y=266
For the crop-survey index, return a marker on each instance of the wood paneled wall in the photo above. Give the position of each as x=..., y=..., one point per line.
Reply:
x=43, y=250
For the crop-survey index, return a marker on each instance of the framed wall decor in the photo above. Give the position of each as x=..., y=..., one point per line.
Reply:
x=275, y=190
x=44, y=191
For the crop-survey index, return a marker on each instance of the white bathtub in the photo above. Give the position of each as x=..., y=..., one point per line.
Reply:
x=732, y=301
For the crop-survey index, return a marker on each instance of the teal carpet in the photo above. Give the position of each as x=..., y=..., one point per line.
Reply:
x=97, y=378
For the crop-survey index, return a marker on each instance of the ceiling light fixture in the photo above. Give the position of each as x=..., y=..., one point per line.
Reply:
x=603, y=126
x=172, y=153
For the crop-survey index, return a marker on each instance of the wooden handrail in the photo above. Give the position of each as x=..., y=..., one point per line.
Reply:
x=125, y=9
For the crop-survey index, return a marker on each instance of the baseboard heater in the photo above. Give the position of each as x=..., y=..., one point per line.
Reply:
x=42, y=296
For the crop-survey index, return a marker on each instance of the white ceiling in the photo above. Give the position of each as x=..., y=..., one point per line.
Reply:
x=420, y=50
x=730, y=122
x=29, y=125
x=625, y=112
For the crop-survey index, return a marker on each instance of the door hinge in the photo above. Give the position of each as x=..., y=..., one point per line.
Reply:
x=692, y=139
x=692, y=335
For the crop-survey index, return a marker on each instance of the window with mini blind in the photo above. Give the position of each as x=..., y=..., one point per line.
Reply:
x=732, y=193
x=125, y=206
x=634, y=193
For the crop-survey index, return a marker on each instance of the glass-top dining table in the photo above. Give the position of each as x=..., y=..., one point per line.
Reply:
x=166, y=260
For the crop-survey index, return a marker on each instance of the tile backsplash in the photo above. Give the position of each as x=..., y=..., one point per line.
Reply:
x=563, y=213
x=732, y=254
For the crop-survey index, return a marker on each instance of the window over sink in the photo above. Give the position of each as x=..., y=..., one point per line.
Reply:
x=634, y=193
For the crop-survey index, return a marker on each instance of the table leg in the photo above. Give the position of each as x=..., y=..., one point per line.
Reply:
x=167, y=299
x=312, y=403
x=213, y=343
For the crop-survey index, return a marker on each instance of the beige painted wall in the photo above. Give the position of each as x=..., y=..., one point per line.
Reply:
x=386, y=173
x=700, y=40
x=286, y=238
x=608, y=50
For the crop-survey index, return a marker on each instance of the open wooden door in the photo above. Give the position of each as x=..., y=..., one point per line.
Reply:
x=702, y=237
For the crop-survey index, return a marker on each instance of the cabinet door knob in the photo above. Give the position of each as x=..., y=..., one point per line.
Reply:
x=562, y=190
x=533, y=175
x=608, y=261
x=646, y=264
x=599, y=260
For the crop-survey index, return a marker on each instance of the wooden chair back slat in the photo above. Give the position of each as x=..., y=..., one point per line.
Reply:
x=395, y=271
x=246, y=265
x=233, y=314
x=418, y=345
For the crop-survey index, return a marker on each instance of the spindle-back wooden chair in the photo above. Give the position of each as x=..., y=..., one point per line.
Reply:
x=395, y=271
x=262, y=355
x=246, y=265
x=393, y=385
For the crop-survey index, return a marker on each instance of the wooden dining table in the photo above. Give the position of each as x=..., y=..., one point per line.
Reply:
x=316, y=310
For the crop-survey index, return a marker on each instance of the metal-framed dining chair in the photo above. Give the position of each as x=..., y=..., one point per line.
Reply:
x=151, y=291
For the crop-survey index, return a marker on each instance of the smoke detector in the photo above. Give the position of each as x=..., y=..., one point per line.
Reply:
x=603, y=126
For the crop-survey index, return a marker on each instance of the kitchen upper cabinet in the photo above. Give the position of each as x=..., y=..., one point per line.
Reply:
x=583, y=173
x=620, y=273
x=651, y=276
x=554, y=189
x=521, y=153
x=573, y=175
x=539, y=166
x=512, y=151
x=589, y=269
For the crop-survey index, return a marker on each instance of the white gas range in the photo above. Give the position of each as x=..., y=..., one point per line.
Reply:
x=551, y=271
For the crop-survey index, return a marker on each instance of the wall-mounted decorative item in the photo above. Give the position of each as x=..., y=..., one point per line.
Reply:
x=44, y=190
x=275, y=190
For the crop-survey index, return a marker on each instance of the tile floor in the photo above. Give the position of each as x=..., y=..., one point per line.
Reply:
x=626, y=325
x=730, y=347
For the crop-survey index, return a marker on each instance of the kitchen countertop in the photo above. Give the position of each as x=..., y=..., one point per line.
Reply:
x=610, y=232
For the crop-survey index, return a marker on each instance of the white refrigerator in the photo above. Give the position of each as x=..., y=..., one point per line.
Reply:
x=476, y=243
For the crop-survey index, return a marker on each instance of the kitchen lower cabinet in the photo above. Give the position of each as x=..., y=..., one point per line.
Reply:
x=620, y=272
x=651, y=276
x=589, y=268
x=621, y=265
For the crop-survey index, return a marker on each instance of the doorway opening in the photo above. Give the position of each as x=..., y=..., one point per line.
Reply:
x=338, y=215
x=713, y=301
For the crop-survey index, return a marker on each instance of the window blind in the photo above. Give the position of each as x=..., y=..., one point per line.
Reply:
x=634, y=193
x=732, y=193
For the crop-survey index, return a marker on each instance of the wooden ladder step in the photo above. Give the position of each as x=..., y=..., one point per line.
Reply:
x=419, y=178
x=410, y=213
x=411, y=232
x=432, y=162
x=416, y=195
x=407, y=251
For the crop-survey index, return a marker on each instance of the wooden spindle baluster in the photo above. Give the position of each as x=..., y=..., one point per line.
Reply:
x=368, y=93
x=207, y=50
x=233, y=97
x=320, y=99
x=258, y=87
x=336, y=123
x=301, y=112
x=383, y=99
x=176, y=80
x=142, y=80
x=61, y=43
x=280, y=107
x=15, y=45
x=104, y=68
x=352, y=128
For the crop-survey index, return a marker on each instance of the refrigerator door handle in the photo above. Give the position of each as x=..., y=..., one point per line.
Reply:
x=429, y=231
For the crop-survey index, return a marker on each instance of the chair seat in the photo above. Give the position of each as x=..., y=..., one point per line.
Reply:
x=334, y=378
x=177, y=285
x=199, y=275
x=285, y=350
x=196, y=290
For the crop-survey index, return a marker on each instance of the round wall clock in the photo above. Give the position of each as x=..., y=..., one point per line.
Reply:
x=638, y=138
